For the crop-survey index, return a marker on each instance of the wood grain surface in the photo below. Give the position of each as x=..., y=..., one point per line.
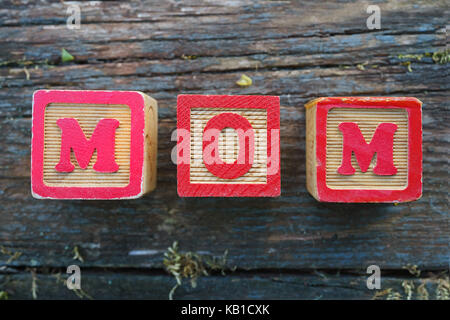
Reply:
x=298, y=50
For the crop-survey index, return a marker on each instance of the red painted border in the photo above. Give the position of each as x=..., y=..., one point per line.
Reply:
x=134, y=100
x=413, y=190
x=187, y=189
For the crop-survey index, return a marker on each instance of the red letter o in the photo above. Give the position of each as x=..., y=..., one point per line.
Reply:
x=231, y=170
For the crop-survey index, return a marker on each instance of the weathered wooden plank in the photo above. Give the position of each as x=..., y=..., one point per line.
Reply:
x=15, y=146
x=377, y=43
x=293, y=231
x=377, y=59
x=286, y=48
x=257, y=27
x=298, y=50
x=142, y=285
x=23, y=13
x=294, y=86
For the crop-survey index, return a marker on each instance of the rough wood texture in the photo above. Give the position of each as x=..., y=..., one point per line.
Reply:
x=141, y=285
x=298, y=50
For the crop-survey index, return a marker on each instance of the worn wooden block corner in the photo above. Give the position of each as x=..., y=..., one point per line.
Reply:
x=228, y=146
x=93, y=144
x=364, y=149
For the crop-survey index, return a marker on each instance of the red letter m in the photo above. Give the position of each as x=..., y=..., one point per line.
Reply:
x=102, y=140
x=382, y=143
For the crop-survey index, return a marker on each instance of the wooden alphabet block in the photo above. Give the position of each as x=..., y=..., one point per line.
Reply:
x=364, y=149
x=93, y=144
x=228, y=146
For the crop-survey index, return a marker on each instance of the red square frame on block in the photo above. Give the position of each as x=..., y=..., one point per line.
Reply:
x=413, y=190
x=135, y=101
x=272, y=187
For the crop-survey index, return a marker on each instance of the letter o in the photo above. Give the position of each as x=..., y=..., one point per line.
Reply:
x=231, y=170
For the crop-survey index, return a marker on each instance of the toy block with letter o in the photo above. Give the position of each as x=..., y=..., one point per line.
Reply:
x=228, y=146
x=364, y=149
x=93, y=144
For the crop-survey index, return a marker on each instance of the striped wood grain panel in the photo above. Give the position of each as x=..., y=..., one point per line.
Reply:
x=228, y=145
x=367, y=120
x=311, y=163
x=88, y=116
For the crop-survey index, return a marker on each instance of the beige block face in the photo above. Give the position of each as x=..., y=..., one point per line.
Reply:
x=88, y=116
x=228, y=145
x=367, y=120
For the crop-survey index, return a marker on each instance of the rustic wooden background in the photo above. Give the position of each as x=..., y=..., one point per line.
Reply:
x=289, y=247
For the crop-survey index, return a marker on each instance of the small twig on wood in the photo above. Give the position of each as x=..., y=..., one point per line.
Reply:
x=77, y=255
x=34, y=285
x=443, y=289
x=172, y=291
x=422, y=292
x=408, y=286
x=27, y=73
x=79, y=292
x=12, y=255
x=413, y=269
x=394, y=295
x=380, y=294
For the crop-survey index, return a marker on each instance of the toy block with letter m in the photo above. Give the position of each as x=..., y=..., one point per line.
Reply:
x=364, y=149
x=228, y=146
x=93, y=144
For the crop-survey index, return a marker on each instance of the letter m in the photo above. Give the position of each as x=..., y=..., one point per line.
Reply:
x=102, y=140
x=382, y=143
